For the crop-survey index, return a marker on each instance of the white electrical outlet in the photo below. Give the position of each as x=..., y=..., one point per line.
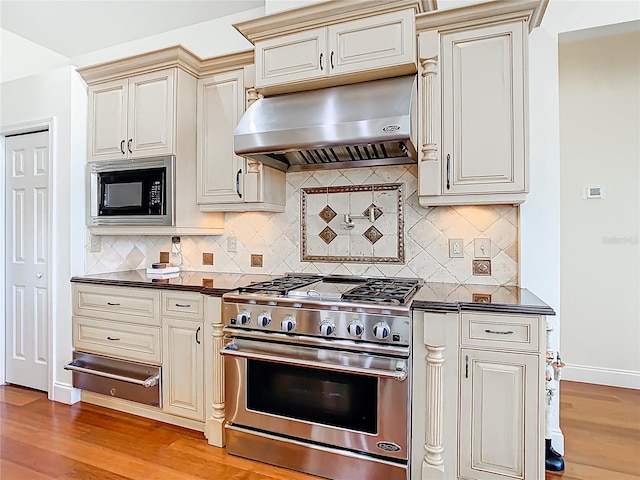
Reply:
x=232, y=244
x=456, y=249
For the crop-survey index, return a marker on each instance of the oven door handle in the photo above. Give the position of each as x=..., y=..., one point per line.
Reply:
x=233, y=350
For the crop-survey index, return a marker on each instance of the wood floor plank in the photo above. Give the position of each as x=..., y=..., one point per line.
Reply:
x=43, y=440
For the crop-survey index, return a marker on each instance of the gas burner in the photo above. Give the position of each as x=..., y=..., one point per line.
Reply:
x=281, y=285
x=384, y=290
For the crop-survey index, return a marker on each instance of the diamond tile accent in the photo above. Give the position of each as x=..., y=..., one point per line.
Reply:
x=327, y=235
x=327, y=214
x=372, y=234
x=376, y=212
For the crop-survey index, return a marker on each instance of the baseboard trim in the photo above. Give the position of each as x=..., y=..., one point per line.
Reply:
x=64, y=393
x=602, y=376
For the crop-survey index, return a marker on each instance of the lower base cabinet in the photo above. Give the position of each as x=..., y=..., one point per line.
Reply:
x=498, y=408
x=183, y=371
x=478, y=396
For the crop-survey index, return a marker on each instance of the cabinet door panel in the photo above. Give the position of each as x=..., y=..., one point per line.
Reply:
x=499, y=396
x=483, y=110
x=107, y=120
x=151, y=114
x=291, y=58
x=371, y=43
x=220, y=105
x=183, y=368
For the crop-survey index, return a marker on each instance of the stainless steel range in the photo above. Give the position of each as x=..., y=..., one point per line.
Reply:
x=317, y=374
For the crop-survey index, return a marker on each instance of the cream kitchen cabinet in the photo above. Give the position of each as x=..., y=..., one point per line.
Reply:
x=227, y=182
x=473, y=101
x=183, y=368
x=478, y=396
x=367, y=44
x=133, y=117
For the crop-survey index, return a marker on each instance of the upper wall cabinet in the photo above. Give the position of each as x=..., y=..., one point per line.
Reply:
x=227, y=182
x=473, y=96
x=133, y=117
x=333, y=43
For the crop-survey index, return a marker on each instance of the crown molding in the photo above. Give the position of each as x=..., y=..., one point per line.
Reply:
x=224, y=63
x=529, y=10
x=323, y=14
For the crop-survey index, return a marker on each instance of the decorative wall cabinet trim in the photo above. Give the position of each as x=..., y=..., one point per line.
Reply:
x=214, y=377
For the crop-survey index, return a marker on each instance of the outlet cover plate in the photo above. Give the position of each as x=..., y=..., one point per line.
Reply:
x=456, y=248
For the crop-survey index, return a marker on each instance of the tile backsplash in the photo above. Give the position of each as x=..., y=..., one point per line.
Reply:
x=277, y=237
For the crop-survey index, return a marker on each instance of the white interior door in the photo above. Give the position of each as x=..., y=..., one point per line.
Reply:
x=26, y=259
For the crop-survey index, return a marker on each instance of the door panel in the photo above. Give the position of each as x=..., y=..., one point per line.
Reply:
x=107, y=120
x=27, y=262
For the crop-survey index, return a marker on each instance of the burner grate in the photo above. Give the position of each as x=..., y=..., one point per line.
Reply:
x=384, y=291
x=281, y=285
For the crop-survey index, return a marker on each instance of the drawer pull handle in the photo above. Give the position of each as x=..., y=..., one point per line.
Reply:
x=113, y=339
x=183, y=305
x=496, y=332
x=77, y=366
x=113, y=304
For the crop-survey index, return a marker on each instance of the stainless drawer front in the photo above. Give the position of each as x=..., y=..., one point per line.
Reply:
x=117, y=378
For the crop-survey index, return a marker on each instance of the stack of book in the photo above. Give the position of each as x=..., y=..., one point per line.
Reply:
x=162, y=271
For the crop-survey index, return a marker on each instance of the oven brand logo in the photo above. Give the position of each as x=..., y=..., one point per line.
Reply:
x=391, y=128
x=388, y=446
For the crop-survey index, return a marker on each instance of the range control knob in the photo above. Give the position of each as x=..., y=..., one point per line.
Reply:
x=244, y=317
x=327, y=328
x=264, y=319
x=355, y=328
x=288, y=324
x=381, y=330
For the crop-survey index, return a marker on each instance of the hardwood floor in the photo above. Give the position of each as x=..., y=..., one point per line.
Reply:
x=43, y=440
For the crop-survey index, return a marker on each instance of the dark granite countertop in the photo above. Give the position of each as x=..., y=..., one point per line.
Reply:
x=208, y=283
x=432, y=297
x=451, y=297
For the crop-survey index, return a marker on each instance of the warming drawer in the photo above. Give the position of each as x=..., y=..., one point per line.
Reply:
x=117, y=378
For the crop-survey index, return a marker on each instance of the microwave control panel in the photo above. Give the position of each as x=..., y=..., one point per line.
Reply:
x=155, y=195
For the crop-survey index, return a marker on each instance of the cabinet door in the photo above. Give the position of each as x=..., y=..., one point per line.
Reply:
x=108, y=120
x=484, y=137
x=220, y=106
x=151, y=114
x=183, y=368
x=292, y=58
x=371, y=43
x=499, y=405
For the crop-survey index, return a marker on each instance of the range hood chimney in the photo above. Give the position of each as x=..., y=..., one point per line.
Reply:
x=358, y=125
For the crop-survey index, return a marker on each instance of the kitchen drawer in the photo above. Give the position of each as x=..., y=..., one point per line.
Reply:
x=503, y=331
x=183, y=305
x=115, y=339
x=123, y=304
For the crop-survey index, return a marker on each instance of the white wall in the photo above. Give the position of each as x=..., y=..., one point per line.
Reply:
x=540, y=214
x=20, y=57
x=56, y=97
x=600, y=254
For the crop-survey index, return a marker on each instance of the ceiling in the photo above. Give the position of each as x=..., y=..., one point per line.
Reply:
x=76, y=27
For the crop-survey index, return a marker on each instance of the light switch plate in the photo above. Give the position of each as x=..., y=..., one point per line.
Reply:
x=482, y=248
x=95, y=243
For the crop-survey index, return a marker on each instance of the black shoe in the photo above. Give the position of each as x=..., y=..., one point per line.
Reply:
x=553, y=460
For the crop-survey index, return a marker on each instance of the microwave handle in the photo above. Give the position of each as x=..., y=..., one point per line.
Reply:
x=238, y=183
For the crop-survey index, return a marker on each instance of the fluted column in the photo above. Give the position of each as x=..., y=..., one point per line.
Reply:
x=433, y=447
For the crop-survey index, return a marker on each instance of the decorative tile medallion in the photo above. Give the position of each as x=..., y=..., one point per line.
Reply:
x=328, y=235
x=376, y=211
x=327, y=214
x=372, y=234
x=325, y=237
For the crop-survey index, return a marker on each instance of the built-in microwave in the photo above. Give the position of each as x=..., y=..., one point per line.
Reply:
x=136, y=192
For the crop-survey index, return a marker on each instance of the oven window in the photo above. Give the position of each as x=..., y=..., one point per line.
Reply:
x=330, y=398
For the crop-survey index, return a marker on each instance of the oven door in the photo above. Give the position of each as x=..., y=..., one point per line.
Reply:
x=341, y=399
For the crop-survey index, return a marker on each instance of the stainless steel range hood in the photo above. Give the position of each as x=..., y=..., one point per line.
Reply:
x=363, y=124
